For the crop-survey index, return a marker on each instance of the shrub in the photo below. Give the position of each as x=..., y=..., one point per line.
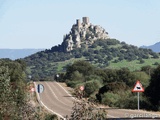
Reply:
x=76, y=76
x=110, y=99
x=51, y=117
x=91, y=87
x=72, y=83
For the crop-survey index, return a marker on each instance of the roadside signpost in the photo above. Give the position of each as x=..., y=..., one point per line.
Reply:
x=138, y=88
x=40, y=88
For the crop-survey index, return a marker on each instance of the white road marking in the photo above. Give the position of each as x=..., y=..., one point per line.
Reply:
x=66, y=91
x=45, y=105
x=57, y=97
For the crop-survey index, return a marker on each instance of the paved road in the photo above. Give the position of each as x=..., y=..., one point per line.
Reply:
x=132, y=114
x=56, y=99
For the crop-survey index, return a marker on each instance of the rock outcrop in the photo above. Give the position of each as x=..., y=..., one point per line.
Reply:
x=82, y=33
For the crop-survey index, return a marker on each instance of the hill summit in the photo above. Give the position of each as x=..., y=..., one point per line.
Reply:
x=83, y=33
x=90, y=43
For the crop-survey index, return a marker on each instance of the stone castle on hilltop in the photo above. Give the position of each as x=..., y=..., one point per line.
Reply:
x=82, y=33
x=85, y=22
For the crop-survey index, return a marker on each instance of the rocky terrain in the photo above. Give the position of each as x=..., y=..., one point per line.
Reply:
x=81, y=34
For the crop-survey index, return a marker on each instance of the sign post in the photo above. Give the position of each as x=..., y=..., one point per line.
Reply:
x=138, y=88
x=138, y=100
x=40, y=88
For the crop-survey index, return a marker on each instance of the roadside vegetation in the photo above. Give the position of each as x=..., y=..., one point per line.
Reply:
x=108, y=69
x=86, y=109
x=15, y=100
x=113, y=87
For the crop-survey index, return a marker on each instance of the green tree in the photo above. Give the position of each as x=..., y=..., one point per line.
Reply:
x=76, y=76
x=82, y=67
x=152, y=91
x=13, y=102
x=91, y=87
x=7, y=105
x=147, y=69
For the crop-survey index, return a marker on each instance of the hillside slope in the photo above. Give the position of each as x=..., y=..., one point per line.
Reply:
x=102, y=54
x=155, y=47
x=88, y=42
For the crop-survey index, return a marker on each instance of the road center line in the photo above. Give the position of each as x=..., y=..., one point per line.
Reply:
x=56, y=96
x=38, y=97
x=111, y=116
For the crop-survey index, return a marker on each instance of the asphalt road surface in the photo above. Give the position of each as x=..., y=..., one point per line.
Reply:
x=132, y=114
x=56, y=99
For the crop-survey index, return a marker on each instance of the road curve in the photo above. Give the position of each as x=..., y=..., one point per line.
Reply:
x=55, y=98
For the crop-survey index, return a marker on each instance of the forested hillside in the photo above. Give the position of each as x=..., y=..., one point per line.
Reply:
x=103, y=53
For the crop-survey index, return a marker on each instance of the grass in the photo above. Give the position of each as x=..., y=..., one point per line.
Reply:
x=133, y=65
x=71, y=61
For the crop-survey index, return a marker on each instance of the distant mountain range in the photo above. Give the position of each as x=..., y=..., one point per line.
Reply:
x=155, y=47
x=17, y=53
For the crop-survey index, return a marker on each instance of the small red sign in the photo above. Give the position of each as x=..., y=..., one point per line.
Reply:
x=32, y=89
x=81, y=88
x=138, y=87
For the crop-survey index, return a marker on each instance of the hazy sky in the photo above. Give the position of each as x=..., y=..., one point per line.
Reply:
x=42, y=23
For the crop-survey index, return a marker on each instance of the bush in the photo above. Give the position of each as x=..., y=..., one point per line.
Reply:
x=110, y=99
x=156, y=63
x=91, y=87
x=51, y=117
x=76, y=76
x=125, y=100
x=72, y=84
x=142, y=61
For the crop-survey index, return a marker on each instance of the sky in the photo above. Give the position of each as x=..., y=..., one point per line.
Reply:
x=42, y=23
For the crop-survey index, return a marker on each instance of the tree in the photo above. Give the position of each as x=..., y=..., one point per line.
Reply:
x=147, y=69
x=77, y=76
x=91, y=87
x=13, y=102
x=152, y=91
x=86, y=109
x=83, y=67
x=6, y=102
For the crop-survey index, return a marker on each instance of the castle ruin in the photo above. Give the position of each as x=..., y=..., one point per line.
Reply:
x=83, y=33
x=85, y=21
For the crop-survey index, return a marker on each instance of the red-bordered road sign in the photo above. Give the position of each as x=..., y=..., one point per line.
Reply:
x=138, y=87
x=32, y=89
x=81, y=88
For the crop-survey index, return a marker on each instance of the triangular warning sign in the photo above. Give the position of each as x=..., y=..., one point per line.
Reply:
x=138, y=87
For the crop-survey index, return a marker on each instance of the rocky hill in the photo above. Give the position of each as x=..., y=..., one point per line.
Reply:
x=81, y=34
x=91, y=43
